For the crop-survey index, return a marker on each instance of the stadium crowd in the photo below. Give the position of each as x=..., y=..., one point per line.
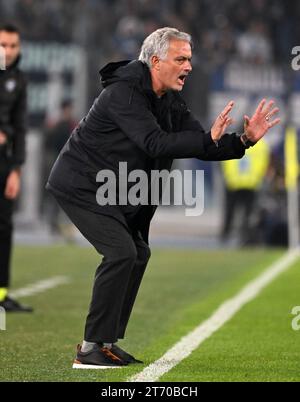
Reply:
x=257, y=29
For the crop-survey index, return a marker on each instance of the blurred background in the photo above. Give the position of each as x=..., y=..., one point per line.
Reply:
x=242, y=51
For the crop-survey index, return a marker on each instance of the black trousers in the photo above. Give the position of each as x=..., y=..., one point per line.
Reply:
x=118, y=277
x=6, y=228
x=238, y=200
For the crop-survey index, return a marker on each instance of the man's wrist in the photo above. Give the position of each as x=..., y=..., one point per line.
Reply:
x=245, y=141
x=214, y=140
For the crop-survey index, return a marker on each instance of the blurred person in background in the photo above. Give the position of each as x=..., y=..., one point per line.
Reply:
x=12, y=153
x=273, y=224
x=55, y=138
x=243, y=179
x=254, y=45
x=139, y=118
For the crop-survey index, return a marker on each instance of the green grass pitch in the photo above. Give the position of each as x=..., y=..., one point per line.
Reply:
x=181, y=289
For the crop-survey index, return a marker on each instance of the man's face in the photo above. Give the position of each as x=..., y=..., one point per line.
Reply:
x=171, y=72
x=10, y=42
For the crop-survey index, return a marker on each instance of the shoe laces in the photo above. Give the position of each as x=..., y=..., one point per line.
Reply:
x=110, y=355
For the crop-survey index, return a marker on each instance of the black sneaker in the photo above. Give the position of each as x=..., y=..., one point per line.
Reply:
x=12, y=306
x=126, y=357
x=97, y=358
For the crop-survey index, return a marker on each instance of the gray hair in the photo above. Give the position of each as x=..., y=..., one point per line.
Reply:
x=157, y=43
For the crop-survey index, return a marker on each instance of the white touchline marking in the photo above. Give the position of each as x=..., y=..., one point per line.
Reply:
x=224, y=313
x=40, y=286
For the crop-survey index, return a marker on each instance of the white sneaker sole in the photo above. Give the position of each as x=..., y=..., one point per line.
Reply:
x=93, y=366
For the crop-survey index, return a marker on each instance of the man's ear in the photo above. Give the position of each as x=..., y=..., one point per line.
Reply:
x=155, y=63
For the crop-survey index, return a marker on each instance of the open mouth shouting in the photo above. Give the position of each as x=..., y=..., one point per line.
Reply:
x=181, y=79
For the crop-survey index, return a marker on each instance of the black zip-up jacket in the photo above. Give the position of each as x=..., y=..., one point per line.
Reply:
x=129, y=123
x=13, y=112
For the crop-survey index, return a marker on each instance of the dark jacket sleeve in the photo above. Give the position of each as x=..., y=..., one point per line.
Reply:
x=134, y=118
x=19, y=124
x=8, y=130
x=229, y=146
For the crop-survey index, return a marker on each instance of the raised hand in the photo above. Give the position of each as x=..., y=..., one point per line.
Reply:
x=222, y=122
x=257, y=126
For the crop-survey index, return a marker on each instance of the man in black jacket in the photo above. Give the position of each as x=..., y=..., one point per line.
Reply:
x=139, y=121
x=12, y=152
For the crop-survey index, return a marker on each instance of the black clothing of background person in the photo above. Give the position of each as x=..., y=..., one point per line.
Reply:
x=13, y=115
x=127, y=123
x=55, y=137
x=12, y=153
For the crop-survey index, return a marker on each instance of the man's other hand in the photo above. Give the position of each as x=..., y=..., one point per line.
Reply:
x=12, y=187
x=3, y=138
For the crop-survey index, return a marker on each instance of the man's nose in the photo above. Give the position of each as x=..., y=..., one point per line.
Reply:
x=188, y=66
x=8, y=52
